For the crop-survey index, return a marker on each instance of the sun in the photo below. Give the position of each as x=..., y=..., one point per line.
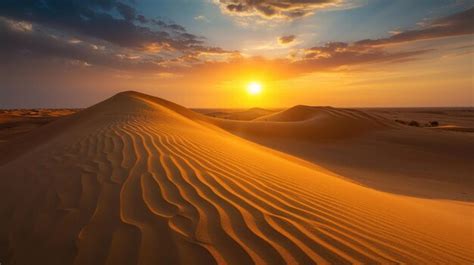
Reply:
x=254, y=88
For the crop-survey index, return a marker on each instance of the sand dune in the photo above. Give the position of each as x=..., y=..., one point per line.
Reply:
x=139, y=180
x=309, y=123
x=243, y=115
x=370, y=149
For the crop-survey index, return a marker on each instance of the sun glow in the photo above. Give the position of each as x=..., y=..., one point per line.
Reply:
x=254, y=88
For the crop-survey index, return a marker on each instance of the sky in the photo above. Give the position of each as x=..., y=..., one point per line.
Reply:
x=204, y=53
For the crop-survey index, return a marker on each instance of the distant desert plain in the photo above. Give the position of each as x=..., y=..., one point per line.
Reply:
x=137, y=179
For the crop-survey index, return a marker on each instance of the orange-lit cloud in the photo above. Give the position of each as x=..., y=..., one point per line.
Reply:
x=138, y=47
x=275, y=9
x=131, y=51
x=155, y=47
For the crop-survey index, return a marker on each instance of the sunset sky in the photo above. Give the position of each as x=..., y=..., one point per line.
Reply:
x=204, y=53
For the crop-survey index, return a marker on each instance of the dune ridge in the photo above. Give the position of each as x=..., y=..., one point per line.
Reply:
x=309, y=123
x=140, y=180
x=243, y=115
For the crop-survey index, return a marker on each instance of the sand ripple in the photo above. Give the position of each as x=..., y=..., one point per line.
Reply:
x=139, y=181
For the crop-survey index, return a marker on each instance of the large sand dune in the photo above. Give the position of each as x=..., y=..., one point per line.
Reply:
x=139, y=180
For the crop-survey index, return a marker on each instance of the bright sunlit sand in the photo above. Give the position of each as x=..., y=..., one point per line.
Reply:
x=236, y=132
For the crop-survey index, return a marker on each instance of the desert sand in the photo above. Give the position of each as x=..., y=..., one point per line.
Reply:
x=140, y=180
x=232, y=114
x=20, y=121
x=372, y=149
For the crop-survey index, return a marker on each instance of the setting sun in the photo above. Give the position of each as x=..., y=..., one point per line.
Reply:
x=254, y=88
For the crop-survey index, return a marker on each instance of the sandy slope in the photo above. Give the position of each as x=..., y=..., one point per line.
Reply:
x=370, y=149
x=138, y=180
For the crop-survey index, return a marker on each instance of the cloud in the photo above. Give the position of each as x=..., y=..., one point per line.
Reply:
x=334, y=55
x=275, y=9
x=345, y=55
x=39, y=43
x=22, y=41
x=107, y=33
x=283, y=40
x=127, y=12
x=454, y=25
x=96, y=19
x=202, y=18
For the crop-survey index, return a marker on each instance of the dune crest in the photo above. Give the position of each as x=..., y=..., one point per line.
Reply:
x=242, y=115
x=309, y=123
x=140, y=180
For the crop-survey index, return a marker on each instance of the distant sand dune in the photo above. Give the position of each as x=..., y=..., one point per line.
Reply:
x=243, y=115
x=139, y=180
x=309, y=123
x=369, y=149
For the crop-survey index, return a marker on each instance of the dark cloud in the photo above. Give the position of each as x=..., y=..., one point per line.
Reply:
x=142, y=19
x=75, y=29
x=455, y=25
x=95, y=18
x=21, y=40
x=127, y=12
x=286, y=39
x=171, y=26
x=268, y=9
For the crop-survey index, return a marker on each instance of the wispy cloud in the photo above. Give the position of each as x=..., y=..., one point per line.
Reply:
x=453, y=25
x=202, y=18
